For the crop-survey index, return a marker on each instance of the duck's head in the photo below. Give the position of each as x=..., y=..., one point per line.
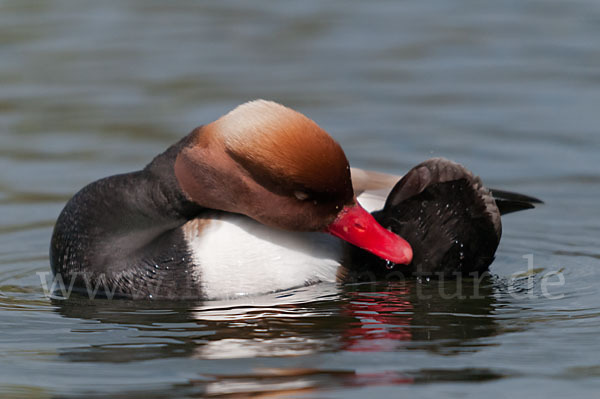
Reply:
x=280, y=168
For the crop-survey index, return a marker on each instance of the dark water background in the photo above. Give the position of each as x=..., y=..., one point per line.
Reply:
x=511, y=89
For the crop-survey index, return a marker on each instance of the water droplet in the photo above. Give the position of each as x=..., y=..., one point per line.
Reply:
x=447, y=205
x=462, y=245
x=389, y=264
x=461, y=255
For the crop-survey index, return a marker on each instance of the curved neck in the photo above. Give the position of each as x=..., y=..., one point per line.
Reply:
x=121, y=220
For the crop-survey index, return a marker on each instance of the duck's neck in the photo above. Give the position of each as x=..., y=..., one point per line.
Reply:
x=124, y=222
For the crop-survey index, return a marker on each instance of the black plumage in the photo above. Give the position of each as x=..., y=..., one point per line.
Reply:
x=450, y=219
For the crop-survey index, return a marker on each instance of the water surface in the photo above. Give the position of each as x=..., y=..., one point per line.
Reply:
x=510, y=89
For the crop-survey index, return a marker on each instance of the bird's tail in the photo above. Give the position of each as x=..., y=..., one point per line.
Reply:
x=509, y=202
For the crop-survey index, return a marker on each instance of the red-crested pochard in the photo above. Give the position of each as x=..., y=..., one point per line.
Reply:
x=240, y=206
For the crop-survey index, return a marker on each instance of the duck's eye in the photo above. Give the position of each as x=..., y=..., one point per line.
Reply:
x=301, y=195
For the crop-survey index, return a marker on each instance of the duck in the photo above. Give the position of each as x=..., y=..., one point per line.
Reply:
x=264, y=200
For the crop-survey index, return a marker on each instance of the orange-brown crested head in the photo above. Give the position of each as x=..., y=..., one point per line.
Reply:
x=281, y=146
x=273, y=164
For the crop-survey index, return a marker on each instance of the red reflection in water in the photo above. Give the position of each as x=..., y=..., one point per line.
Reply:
x=383, y=320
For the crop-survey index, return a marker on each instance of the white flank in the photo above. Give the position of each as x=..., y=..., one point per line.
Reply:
x=236, y=256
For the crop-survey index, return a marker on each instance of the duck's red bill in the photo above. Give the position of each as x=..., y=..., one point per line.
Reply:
x=359, y=228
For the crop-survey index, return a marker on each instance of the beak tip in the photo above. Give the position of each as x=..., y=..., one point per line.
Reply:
x=408, y=254
x=404, y=253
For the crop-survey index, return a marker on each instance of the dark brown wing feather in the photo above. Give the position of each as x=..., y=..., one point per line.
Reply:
x=448, y=217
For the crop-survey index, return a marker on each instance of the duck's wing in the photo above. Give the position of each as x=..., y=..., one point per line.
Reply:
x=447, y=215
x=372, y=188
x=369, y=180
x=450, y=219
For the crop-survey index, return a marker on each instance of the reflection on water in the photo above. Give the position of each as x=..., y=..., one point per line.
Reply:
x=367, y=317
x=411, y=315
x=247, y=346
x=383, y=317
x=284, y=383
